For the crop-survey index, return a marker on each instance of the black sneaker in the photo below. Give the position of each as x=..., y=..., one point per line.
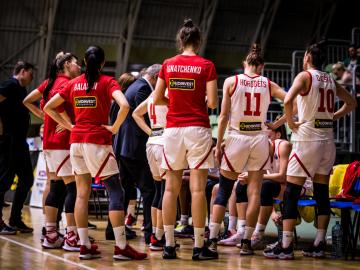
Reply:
x=185, y=232
x=204, y=253
x=92, y=226
x=43, y=234
x=315, y=251
x=169, y=253
x=21, y=227
x=212, y=244
x=130, y=234
x=245, y=247
x=278, y=252
x=5, y=229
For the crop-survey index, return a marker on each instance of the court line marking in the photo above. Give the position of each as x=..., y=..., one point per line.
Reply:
x=47, y=253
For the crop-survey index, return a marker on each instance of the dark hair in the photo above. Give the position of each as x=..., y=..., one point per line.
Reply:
x=188, y=34
x=94, y=57
x=352, y=45
x=281, y=129
x=254, y=58
x=22, y=65
x=318, y=53
x=56, y=66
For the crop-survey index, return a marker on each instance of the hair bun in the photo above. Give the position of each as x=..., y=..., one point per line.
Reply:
x=188, y=23
x=256, y=48
x=60, y=55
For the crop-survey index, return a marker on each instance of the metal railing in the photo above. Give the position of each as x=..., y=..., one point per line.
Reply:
x=279, y=73
x=355, y=35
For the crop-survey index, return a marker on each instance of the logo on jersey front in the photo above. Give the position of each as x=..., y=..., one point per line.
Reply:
x=181, y=84
x=250, y=126
x=323, y=123
x=85, y=102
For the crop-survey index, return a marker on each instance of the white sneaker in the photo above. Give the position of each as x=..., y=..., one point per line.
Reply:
x=53, y=243
x=232, y=240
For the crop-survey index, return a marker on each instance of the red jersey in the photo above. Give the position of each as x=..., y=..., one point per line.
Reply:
x=91, y=109
x=186, y=78
x=51, y=139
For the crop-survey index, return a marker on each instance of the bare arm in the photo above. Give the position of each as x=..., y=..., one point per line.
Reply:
x=349, y=102
x=138, y=116
x=211, y=94
x=280, y=177
x=159, y=93
x=29, y=101
x=120, y=99
x=50, y=109
x=277, y=91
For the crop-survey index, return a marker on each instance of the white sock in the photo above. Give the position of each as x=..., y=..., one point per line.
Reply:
x=248, y=232
x=71, y=229
x=320, y=236
x=154, y=229
x=169, y=235
x=199, y=237
x=232, y=223
x=84, y=237
x=131, y=209
x=287, y=238
x=120, y=237
x=260, y=230
x=184, y=219
x=50, y=226
x=159, y=233
x=214, y=230
x=241, y=226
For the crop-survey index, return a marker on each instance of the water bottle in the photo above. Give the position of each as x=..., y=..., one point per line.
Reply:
x=337, y=241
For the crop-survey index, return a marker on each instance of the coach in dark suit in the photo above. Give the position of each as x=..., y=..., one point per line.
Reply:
x=130, y=147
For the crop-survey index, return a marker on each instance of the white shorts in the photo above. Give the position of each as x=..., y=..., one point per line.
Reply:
x=246, y=153
x=154, y=153
x=310, y=158
x=187, y=147
x=98, y=160
x=58, y=162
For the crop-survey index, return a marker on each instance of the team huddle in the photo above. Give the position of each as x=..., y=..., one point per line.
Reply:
x=77, y=147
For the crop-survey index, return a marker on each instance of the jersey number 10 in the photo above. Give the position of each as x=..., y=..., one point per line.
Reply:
x=248, y=111
x=329, y=96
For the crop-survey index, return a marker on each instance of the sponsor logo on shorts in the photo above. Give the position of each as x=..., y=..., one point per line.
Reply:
x=157, y=132
x=85, y=102
x=323, y=123
x=181, y=84
x=250, y=126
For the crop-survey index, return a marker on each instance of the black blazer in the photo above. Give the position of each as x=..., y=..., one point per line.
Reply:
x=131, y=141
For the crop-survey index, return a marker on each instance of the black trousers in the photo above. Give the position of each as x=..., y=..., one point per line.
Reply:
x=137, y=173
x=15, y=160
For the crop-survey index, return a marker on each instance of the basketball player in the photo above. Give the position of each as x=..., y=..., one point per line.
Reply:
x=313, y=151
x=192, y=84
x=56, y=149
x=154, y=152
x=91, y=152
x=245, y=103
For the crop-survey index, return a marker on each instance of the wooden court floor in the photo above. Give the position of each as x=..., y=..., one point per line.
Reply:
x=23, y=251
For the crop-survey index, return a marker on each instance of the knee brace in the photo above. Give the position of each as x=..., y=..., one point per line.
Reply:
x=70, y=197
x=321, y=195
x=225, y=189
x=116, y=193
x=157, y=195
x=56, y=192
x=291, y=197
x=161, y=194
x=241, y=193
x=269, y=190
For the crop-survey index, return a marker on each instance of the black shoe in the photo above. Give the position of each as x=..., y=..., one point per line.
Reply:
x=109, y=234
x=186, y=232
x=278, y=252
x=5, y=229
x=204, y=253
x=43, y=234
x=92, y=226
x=245, y=247
x=212, y=244
x=315, y=251
x=130, y=234
x=169, y=253
x=21, y=227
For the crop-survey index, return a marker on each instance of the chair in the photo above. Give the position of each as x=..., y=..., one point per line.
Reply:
x=356, y=227
x=95, y=188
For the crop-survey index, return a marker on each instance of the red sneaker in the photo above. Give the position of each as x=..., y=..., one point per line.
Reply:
x=155, y=244
x=71, y=242
x=89, y=253
x=130, y=220
x=53, y=242
x=128, y=253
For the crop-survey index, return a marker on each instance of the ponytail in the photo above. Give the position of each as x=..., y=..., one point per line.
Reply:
x=318, y=53
x=94, y=57
x=254, y=58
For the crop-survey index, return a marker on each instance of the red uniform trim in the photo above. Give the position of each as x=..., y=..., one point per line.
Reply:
x=301, y=164
x=104, y=163
x=265, y=163
x=228, y=163
x=236, y=82
x=163, y=174
x=208, y=153
x=308, y=90
x=62, y=164
x=269, y=82
x=252, y=77
x=167, y=163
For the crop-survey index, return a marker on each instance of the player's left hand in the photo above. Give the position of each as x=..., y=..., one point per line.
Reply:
x=59, y=128
x=110, y=128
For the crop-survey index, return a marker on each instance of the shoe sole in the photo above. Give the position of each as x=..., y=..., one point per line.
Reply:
x=246, y=253
x=319, y=255
x=204, y=258
x=89, y=257
x=152, y=248
x=121, y=258
x=70, y=248
x=8, y=233
x=51, y=247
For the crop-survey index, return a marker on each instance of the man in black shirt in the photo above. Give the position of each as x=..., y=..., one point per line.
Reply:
x=14, y=150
